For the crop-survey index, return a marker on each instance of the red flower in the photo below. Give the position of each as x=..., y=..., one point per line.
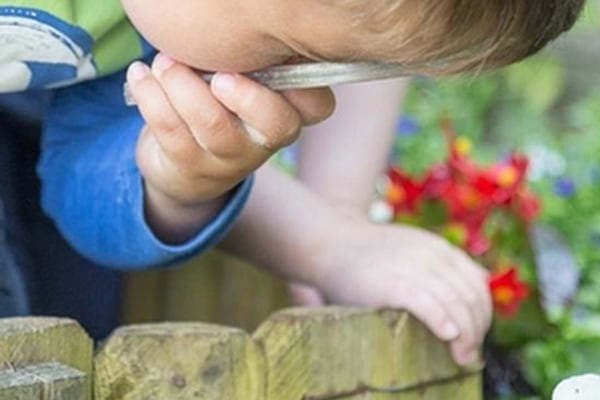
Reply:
x=468, y=204
x=497, y=184
x=527, y=206
x=507, y=291
x=467, y=236
x=404, y=192
x=477, y=243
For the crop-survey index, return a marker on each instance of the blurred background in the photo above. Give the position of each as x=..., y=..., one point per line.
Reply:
x=548, y=109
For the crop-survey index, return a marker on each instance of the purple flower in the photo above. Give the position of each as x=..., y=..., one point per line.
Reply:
x=407, y=126
x=564, y=187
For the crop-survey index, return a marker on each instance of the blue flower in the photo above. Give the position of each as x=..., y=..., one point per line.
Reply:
x=564, y=187
x=407, y=126
x=595, y=237
x=595, y=174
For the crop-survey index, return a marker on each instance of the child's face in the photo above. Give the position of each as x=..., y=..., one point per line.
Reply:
x=242, y=35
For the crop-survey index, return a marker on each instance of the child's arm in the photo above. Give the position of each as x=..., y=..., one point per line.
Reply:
x=325, y=240
x=365, y=126
x=175, y=198
x=342, y=157
x=297, y=234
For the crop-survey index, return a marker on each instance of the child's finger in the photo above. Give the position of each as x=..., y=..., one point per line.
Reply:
x=461, y=312
x=425, y=307
x=460, y=271
x=306, y=296
x=464, y=355
x=472, y=296
x=475, y=277
x=162, y=120
x=214, y=127
x=271, y=120
x=313, y=105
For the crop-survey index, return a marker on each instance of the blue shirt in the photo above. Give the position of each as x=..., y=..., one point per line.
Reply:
x=91, y=185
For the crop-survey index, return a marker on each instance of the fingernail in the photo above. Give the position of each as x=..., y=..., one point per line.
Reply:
x=469, y=358
x=137, y=71
x=450, y=331
x=162, y=62
x=223, y=83
x=256, y=136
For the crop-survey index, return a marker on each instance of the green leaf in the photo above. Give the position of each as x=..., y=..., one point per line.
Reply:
x=539, y=81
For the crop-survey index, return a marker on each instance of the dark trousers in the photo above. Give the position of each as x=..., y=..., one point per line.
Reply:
x=13, y=297
x=39, y=272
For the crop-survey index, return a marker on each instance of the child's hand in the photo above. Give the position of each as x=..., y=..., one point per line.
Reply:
x=412, y=269
x=200, y=140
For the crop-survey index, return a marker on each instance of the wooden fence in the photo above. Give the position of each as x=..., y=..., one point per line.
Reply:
x=296, y=354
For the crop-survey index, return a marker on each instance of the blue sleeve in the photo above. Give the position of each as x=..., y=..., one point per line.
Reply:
x=92, y=188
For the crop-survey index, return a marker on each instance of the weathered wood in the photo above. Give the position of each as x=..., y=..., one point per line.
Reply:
x=329, y=353
x=324, y=352
x=421, y=361
x=339, y=353
x=27, y=344
x=144, y=296
x=418, y=355
x=193, y=291
x=248, y=295
x=213, y=287
x=179, y=361
x=47, y=381
x=465, y=388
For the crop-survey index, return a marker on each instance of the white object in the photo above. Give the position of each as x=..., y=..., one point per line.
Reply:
x=381, y=212
x=580, y=387
x=313, y=74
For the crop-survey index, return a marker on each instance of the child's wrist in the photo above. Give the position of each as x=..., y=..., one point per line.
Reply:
x=174, y=221
x=326, y=259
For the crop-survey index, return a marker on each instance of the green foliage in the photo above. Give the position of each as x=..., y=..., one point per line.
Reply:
x=530, y=107
x=539, y=82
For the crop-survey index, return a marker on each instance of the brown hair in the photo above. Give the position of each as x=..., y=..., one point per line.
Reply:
x=448, y=36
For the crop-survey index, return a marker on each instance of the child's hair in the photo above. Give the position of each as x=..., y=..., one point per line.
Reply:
x=448, y=36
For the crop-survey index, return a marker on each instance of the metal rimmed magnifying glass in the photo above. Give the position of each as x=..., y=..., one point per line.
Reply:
x=310, y=75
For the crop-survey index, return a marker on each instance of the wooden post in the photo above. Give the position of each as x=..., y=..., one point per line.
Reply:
x=43, y=381
x=422, y=366
x=178, y=361
x=343, y=353
x=214, y=287
x=44, y=358
x=323, y=353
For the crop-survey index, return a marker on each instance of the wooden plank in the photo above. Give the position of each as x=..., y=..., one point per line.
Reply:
x=340, y=353
x=179, y=361
x=192, y=291
x=418, y=355
x=223, y=289
x=46, y=381
x=248, y=294
x=144, y=296
x=31, y=341
x=324, y=352
x=214, y=287
x=465, y=388
x=422, y=364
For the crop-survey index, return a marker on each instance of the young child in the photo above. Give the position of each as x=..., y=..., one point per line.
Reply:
x=196, y=142
x=241, y=36
x=134, y=190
